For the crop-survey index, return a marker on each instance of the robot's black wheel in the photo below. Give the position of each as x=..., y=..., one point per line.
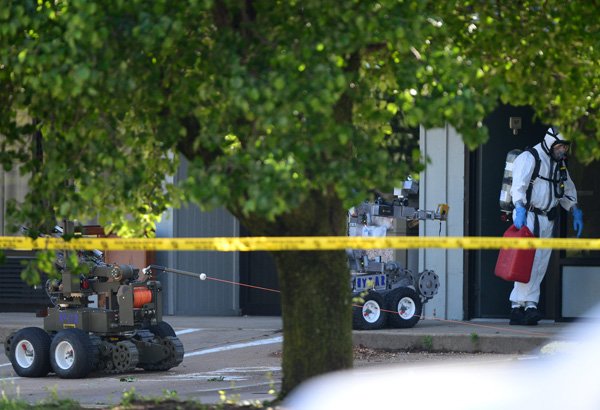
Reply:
x=407, y=307
x=72, y=354
x=29, y=352
x=369, y=314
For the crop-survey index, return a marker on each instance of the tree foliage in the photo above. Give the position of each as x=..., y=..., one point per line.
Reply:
x=270, y=100
x=277, y=105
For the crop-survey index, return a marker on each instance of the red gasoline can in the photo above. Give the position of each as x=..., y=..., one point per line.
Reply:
x=515, y=264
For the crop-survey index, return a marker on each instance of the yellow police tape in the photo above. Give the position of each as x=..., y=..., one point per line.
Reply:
x=299, y=243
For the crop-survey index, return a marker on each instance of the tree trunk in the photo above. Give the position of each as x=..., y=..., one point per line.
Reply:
x=316, y=312
x=315, y=291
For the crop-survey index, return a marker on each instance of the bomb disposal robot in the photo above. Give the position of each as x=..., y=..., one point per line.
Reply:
x=381, y=288
x=107, y=320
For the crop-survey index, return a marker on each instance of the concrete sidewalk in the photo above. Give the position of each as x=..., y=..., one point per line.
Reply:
x=429, y=334
x=490, y=336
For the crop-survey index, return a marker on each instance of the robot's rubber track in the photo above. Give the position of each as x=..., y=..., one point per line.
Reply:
x=174, y=349
x=121, y=357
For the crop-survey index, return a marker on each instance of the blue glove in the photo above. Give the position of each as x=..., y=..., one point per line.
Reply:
x=520, y=217
x=577, y=221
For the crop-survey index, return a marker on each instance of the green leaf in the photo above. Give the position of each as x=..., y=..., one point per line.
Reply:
x=22, y=56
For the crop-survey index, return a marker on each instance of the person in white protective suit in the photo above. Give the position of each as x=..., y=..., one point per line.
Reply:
x=538, y=210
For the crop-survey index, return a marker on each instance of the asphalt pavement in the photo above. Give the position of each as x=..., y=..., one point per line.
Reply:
x=241, y=355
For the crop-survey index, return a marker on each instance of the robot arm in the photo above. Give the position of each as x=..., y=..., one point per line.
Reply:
x=415, y=214
x=400, y=206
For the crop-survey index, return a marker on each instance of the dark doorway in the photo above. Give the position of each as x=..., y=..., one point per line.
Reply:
x=578, y=273
x=258, y=269
x=488, y=295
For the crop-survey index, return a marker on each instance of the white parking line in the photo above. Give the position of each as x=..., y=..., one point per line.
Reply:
x=277, y=339
x=186, y=331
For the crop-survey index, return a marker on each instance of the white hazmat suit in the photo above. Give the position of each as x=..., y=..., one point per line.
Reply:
x=546, y=194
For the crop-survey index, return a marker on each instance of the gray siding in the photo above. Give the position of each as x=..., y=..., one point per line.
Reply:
x=442, y=182
x=188, y=296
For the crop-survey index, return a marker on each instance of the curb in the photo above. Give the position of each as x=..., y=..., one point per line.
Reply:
x=435, y=342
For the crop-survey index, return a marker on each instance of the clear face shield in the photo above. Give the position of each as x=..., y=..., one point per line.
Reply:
x=559, y=151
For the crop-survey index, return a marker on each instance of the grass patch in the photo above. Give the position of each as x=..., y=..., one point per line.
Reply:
x=18, y=404
x=428, y=343
x=131, y=400
x=52, y=402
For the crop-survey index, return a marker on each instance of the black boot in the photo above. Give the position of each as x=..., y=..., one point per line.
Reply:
x=517, y=316
x=532, y=316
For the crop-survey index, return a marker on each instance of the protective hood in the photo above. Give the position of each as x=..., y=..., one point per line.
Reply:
x=552, y=138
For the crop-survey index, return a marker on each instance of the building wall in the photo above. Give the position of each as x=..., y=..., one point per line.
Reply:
x=16, y=295
x=13, y=186
x=189, y=296
x=443, y=181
